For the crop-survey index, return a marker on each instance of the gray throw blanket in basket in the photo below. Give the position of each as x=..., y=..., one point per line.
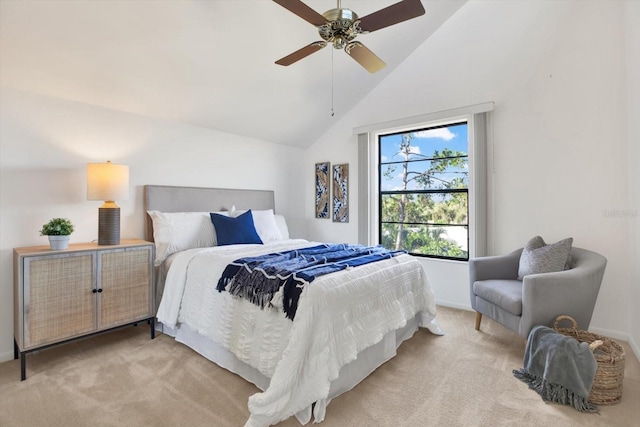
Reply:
x=559, y=368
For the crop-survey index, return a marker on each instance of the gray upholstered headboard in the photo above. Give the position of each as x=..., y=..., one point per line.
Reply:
x=165, y=198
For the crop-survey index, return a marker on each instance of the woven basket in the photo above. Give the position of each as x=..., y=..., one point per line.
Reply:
x=607, y=385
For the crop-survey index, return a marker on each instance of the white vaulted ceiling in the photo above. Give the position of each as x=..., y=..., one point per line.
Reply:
x=208, y=63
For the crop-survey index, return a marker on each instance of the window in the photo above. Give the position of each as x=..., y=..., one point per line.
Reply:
x=424, y=191
x=473, y=120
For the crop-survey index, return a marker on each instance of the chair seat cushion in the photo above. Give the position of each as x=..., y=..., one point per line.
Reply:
x=506, y=294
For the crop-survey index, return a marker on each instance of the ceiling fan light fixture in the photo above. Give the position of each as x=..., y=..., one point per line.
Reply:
x=339, y=42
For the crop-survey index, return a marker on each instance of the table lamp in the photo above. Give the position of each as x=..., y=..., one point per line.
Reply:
x=108, y=182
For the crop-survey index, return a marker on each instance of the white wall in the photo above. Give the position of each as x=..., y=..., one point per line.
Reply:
x=632, y=15
x=555, y=71
x=45, y=144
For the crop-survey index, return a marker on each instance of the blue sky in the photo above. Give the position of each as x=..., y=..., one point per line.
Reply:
x=423, y=143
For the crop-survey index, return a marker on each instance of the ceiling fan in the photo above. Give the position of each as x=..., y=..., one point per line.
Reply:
x=340, y=27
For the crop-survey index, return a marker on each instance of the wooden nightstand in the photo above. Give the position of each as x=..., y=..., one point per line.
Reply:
x=60, y=296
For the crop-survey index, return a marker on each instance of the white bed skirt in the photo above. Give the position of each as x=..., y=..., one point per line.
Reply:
x=350, y=374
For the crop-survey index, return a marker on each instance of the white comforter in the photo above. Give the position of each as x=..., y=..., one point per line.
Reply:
x=338, y=315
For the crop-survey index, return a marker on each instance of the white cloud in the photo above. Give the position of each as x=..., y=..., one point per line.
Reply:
x=442, y=133
x=400, y=157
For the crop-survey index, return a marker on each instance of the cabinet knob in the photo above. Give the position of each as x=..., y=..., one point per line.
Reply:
x=100, y=290
x=94, y=290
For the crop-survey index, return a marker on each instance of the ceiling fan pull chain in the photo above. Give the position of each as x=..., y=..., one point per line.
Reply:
x=332, y=113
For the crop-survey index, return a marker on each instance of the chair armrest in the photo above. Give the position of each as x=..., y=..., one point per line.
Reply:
x=494, y=267
x=548, y=295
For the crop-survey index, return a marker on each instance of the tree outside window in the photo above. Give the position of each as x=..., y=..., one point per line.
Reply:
x=424, y=194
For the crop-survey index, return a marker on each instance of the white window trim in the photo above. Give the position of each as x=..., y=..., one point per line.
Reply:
x=478, y=122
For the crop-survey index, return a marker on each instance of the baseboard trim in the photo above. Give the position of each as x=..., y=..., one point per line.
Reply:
x=600, y=331
x=6, y=356
x=610, y=333
x=453, y=305
x=634, y=347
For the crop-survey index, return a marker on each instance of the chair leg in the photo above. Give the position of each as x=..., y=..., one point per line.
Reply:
x=478, y=320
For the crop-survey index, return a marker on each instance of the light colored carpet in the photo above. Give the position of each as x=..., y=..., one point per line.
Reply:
x=461, y=379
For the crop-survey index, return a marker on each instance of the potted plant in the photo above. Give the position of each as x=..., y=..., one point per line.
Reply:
x=58, y=231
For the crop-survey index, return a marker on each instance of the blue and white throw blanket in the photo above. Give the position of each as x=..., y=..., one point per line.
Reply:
x=559, y=368
x=258, y=279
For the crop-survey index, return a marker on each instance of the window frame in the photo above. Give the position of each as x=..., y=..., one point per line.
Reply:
x=377, y=141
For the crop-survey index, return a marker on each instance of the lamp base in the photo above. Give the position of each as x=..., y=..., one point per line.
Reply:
x=109, y=226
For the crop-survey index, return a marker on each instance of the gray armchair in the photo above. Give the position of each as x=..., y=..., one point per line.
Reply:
x=539, y=298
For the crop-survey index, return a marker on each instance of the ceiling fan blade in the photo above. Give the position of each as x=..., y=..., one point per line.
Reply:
x=303, y=11
x=301, y=53
x=394, y=14
x=364, y=57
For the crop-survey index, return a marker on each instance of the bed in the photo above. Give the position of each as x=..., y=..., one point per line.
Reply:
x=347, y=323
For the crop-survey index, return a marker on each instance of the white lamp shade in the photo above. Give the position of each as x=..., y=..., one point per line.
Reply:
x=107, y=181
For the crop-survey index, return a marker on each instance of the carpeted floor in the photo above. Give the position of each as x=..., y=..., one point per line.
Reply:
x=461, y=379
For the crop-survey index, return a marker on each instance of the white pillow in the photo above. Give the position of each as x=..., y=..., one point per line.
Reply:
x=178, y=231
x=265, y=223
x=282, y=225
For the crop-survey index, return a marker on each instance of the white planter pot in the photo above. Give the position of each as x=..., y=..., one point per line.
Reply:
x=58, y=242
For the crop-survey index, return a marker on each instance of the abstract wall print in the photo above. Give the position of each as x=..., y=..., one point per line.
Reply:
x=322, y=190
x=341, y=193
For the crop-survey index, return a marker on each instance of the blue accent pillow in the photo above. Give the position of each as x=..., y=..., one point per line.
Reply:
x=235, y=231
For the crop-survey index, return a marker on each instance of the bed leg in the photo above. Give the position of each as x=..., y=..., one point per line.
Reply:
x=478, y=320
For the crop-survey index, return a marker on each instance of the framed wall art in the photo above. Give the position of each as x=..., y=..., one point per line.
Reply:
x=322, y=189
x=341, y=193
